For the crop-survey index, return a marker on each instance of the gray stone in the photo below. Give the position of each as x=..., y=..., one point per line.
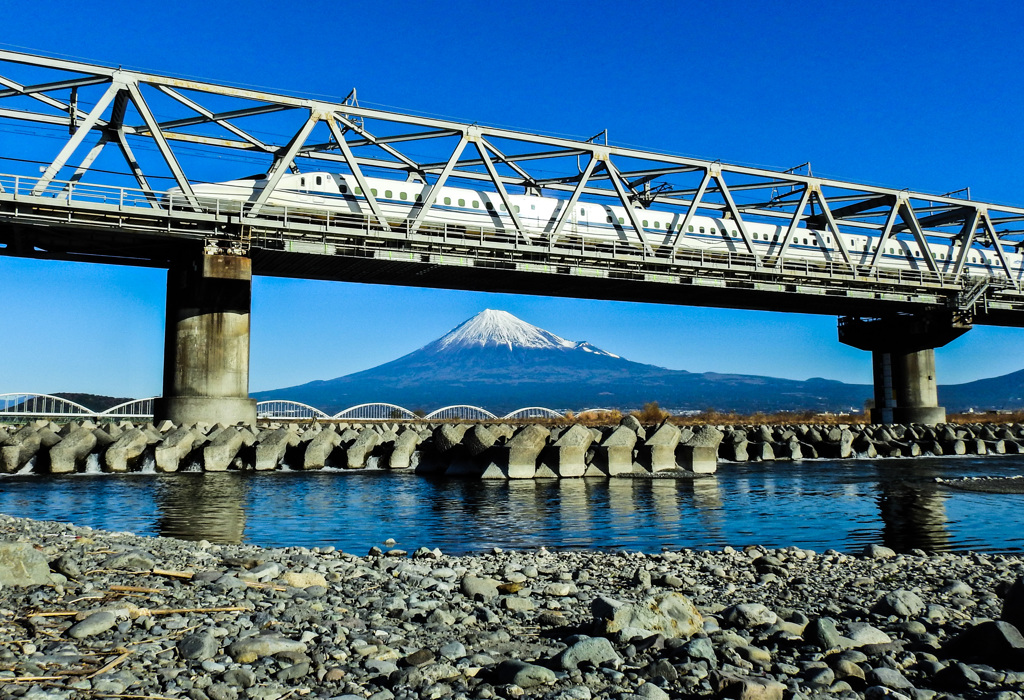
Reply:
x=475, y=587
x=221, y=451
x=319, y=449
x=862, y=634
x=822, y=633
x=997, y=643
x=901, y=603
x=594, y=650
x=97, y=623
x=749, y=615
x=357, y=453
x=453, y=651
x=271, y=446
x=198, y=646
x=1013, y=605
x=22, y=565
x=616, y=451
x=132, y=560
x=877, y=551
x=524, y=674
x=889, y=678
x=403, y=449
x=748, y=687
x=249, y=649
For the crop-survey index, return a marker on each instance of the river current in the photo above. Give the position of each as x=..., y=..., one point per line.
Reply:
x=816, y=504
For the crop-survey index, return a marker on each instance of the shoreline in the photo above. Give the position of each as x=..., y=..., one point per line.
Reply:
x=115, y=614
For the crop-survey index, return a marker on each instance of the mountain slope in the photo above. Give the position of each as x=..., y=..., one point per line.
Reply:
x=501, y=363
x=996, y=393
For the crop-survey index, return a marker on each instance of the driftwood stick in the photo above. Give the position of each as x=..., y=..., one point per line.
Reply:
x=119, y=660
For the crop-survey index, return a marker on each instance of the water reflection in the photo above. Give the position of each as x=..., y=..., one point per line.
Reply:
x=914, y=517
x=207, y=506
x=813, y=504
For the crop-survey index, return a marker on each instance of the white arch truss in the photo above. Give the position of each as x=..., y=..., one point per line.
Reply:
x=280, y=408
x=461, y=412
x=533, y=412
x=376, y=411
x=136, y=408
x=31, y=404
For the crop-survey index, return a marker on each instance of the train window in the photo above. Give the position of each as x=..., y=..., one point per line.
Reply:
x=805, y=241
x=476, y=204
x=359, y=191
x=776, y=238
x=302, y=182
x=891, y=251
x=657, y=224
x=583, y=212
x=689, y=228
x=462, y=202
x=419, y=198
x=447, y=200
x=344, y=189
x=373, y=191
x=609, y=219
x=403, y=196
x=735, y=234
x=319, y=180
x=488, y=206
x=502, y=207
x=621, y=220
x=755, y=235
x=644, y=222
x=917, y=253
x=387, y=194
x=516, y=207
x=702, y=229
x=533, y=207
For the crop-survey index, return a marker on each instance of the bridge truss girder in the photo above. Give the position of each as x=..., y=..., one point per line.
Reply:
x=167, y=129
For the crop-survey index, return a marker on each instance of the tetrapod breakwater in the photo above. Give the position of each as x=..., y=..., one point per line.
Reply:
x=472, y=450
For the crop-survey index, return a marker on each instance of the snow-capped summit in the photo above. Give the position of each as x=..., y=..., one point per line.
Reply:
x=495, y=328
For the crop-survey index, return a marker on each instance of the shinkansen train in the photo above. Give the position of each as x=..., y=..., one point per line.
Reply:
x=339, y=193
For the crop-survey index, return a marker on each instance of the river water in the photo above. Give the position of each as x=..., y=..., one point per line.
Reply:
x=816, y=504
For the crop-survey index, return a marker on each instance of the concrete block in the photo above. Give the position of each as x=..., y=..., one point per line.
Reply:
x=221, y=450
x=175, y=447
x=478, y=440
x=319, y=449
x=658, y=451
x=165, y=426
x=761, y=452
x=126, y=450
x=405, y=446
x=699, y=454
x=633, y=424
x=16, y=456
x=360, y=449
x=522, y=451
x=615, y=453
x=66, y=457
x=271, y=447
x=571, y=450
x=448, y=436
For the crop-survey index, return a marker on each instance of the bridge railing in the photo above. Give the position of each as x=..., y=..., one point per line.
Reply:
x=496, y=245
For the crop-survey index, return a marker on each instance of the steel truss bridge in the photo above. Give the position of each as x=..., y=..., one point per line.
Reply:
x=98, y=146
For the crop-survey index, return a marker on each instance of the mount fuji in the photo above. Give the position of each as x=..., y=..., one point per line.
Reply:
x=501, y=363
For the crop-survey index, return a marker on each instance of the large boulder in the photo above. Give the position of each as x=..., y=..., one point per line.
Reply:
x=22, y=565
x=668, y=614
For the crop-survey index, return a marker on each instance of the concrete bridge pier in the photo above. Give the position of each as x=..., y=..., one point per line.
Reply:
x=903, y=361
x=206, y=342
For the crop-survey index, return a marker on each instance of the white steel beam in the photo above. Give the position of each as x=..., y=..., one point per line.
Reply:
x=357, y=172
x=282, y=160
x=630, y=211
x=575, y=197
x=509, y=207
x=435, y=189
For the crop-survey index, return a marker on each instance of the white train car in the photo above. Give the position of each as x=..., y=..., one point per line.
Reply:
x=341, y=194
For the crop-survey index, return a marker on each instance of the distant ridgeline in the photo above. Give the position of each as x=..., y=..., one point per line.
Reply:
x=93, y=402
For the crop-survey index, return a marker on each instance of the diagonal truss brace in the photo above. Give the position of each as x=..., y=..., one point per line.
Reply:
x=482, y=147
x=357, y=172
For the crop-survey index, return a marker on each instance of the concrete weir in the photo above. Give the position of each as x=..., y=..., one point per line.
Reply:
x=206, y=347
x=480, y=451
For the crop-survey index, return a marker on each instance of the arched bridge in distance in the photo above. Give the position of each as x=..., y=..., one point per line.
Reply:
x=358, y=194
x=28, y=405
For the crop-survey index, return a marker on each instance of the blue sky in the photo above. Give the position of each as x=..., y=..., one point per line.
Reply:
x=904, y=94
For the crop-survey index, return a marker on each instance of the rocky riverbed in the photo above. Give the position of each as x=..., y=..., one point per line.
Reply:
x=87, y=614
